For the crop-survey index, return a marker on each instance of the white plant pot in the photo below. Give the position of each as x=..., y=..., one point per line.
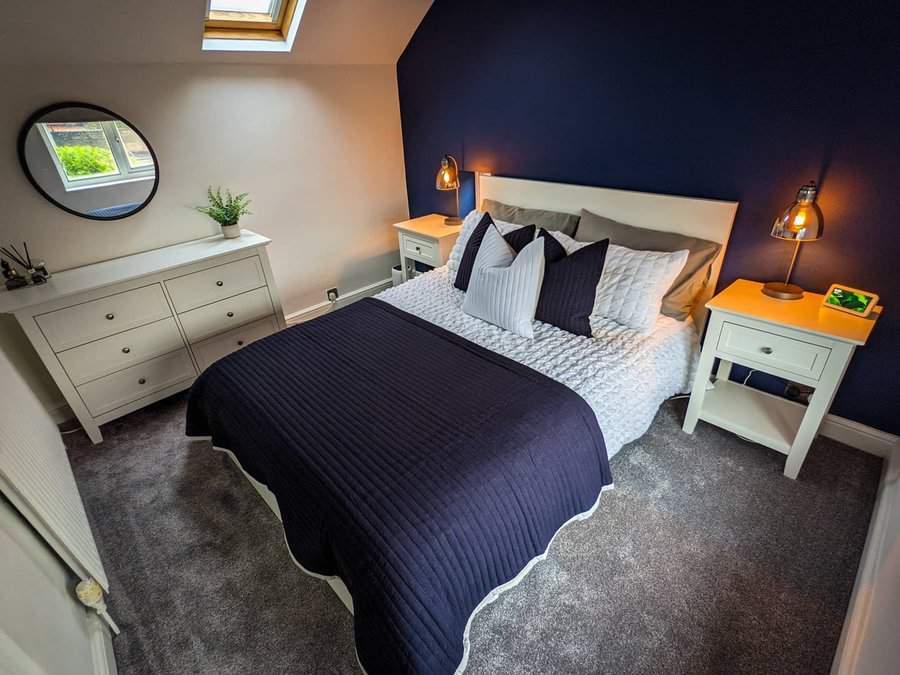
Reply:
x=231, y=231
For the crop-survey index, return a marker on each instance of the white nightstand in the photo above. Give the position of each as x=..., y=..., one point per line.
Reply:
x=425, y=239
x=799, y=340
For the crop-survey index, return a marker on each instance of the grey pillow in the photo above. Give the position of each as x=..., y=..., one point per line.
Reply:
x=505, y=287
x=680, y=297
x=549, y=220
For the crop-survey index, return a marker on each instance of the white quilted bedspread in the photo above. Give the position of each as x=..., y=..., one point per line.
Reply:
x=622, y=374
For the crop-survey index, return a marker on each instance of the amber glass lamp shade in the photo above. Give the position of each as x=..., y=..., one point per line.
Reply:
x=800, y=221
x=448, y=179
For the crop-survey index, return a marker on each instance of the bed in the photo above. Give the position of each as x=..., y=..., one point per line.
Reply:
x=513, y=435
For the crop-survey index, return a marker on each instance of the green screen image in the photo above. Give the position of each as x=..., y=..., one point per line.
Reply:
x=849, y=300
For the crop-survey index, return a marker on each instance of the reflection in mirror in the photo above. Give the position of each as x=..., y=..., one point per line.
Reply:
x=88, y=161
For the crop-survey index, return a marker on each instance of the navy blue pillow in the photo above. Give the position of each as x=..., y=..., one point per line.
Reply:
x=570, y=284
x=517, y=239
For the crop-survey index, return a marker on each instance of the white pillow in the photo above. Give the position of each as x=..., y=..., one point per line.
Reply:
x=633, y=283
x=505, y=287
x=470, y=222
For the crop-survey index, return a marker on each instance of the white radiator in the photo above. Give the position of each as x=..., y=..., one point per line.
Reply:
x=35, y=476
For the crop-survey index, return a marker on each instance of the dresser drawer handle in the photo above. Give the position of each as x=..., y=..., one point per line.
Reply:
x=220, y=283
x=766, y=350
x=230, y=314
x=240, y=343
x=143, y=380
x=110, y=316
x=126, y=350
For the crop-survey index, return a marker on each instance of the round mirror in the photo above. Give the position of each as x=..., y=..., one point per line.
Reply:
x=88, y=161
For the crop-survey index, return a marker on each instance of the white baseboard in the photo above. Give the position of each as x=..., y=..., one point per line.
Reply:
x=868, y=644
x=859, y=436
x=321, y=308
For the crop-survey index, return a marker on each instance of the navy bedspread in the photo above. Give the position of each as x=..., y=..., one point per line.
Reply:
x=422, y=495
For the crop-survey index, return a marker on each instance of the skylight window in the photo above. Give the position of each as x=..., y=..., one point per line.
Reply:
x=253, y=6
x=227, y=12
x=251, y=25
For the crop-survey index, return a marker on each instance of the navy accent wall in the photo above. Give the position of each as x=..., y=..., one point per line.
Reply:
x=738, y=101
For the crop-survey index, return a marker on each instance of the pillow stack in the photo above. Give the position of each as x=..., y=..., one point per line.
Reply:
x=609, y=271
x=689, y=282
x=633, y=283
x=503, y=287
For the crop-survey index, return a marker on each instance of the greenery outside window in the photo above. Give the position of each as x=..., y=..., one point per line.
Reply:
x=91, y=154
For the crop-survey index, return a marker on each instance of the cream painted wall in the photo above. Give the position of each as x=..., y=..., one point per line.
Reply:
x=318, y=148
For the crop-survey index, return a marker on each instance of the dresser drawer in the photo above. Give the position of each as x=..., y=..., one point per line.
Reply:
x=424, y=250
x=76, y=325
x=110, y=392
x=785, y=353
x=210, y=351
x=216, y=283
x=224, y=315
x=102, y=357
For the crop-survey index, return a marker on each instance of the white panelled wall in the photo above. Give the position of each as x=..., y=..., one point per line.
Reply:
x=46, y=546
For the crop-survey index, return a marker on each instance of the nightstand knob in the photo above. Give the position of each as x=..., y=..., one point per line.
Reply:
x=230, y=314
x=143, y=380
x=766, y=350
x=240, y=343
x=418, y=249
x=126, y=350
x=220, y=283
x=110, y=316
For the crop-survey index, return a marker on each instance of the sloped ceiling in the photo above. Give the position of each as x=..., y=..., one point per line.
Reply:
x=169, y=31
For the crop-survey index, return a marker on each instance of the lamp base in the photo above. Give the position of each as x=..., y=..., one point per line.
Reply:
x=782, y=291
x=453, y=221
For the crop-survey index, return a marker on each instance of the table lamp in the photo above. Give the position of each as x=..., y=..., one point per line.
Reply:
x=448, y=179
x=799, y=222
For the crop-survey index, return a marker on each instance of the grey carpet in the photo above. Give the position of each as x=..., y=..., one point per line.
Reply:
x=704, y=559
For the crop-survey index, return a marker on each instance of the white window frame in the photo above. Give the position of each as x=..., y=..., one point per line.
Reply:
x=125, y=173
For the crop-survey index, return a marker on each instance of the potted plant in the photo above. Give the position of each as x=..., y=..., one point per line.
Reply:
x=226, y=211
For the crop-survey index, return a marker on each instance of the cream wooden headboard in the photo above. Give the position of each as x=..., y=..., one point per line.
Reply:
x=705, y=218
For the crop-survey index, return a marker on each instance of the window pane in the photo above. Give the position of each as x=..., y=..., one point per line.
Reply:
x=137, y=153
x=82, y=149
x=253, y=6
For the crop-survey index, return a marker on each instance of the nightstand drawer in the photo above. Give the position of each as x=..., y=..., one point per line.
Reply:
x=785, y=353
x=423, y=250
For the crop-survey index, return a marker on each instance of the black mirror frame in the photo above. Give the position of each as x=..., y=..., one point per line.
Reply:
x=34, y=117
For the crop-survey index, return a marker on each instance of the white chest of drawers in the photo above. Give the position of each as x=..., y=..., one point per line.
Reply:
x=118, y=335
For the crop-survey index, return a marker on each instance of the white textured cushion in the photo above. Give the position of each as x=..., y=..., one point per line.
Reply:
x=633, y=283
x=505, y=287
x=470, y=222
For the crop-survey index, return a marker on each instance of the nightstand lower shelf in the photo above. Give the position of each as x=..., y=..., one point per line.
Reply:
x=755, y=415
